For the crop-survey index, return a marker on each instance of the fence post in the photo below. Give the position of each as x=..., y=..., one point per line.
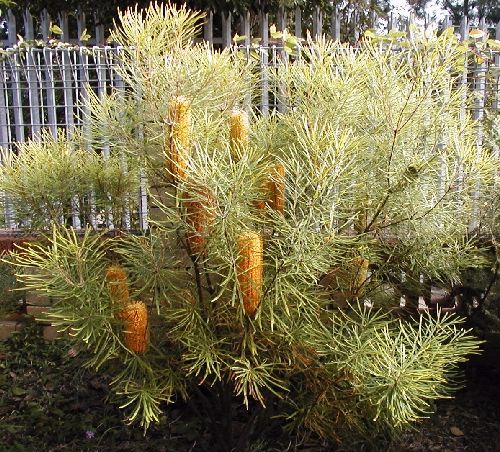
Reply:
x=44, y=25
x=264, y=62
x=208, y=27
x=33, y=93
x=49, y=86
x=317, y=23
x=245, y=28
x=464, y=29
x=226, y=29
x=64, y=26
x=335, y=24
x=29, y=31
x=11, y=29
x=355, y=26
x=281, y=25
x=81, y=25
x=298, y=22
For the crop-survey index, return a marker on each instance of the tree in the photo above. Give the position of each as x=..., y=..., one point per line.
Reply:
x=277, y=231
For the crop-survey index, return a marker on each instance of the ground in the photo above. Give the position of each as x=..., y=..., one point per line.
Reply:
x=44, y=400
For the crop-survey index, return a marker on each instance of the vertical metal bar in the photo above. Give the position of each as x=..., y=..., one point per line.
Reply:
x=64, y=26
x=29, y=31
x=264, y=62
x=208, y=27
x=17, y=102
x=298, y=22
x=50, y=89
x=11, y=28
x=33, y=93
x=4, y=142
x=66, y=73
x=226, y=29
x=335, y=24
x=101, y=67
x=44, y=24
x=479, y=87
x=120, y=89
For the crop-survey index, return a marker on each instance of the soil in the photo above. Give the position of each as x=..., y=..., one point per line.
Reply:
x=471, y=420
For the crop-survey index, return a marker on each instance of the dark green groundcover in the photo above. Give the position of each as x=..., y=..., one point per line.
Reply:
x=47, y=398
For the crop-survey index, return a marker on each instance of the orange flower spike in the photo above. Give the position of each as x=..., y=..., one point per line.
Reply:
x=118, y=285
x=239, y=127
x=135, y=326
x=277, y=188
x=177, y=138
x=198, y=218
x=250, y=270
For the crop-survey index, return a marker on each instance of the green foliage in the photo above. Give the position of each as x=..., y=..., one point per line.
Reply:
x=380, y=168
x=52, y=178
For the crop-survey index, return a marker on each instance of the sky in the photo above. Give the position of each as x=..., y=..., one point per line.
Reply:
x=401, y=7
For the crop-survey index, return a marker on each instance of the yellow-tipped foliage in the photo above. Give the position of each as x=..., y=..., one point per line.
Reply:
x=360, y=269
x=117, y=285
x=250, y=270
x=135, y=326
x=239, y=133
x=177, y=136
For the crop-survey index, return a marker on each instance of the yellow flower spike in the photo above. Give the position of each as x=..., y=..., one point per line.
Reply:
x=117, y=285
x=135, y=326
x=177, y=136
x=250, y=270
x=239, y=133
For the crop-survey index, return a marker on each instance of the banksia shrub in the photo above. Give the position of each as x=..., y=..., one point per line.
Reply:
x=135, y=326
x=239, y=133
x=250, y=269
x=177, y=140
x=116, y=279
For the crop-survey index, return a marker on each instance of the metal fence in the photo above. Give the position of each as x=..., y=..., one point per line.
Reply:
x=45, y=88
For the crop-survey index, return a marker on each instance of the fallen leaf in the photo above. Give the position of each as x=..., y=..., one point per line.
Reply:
x=456, y=431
